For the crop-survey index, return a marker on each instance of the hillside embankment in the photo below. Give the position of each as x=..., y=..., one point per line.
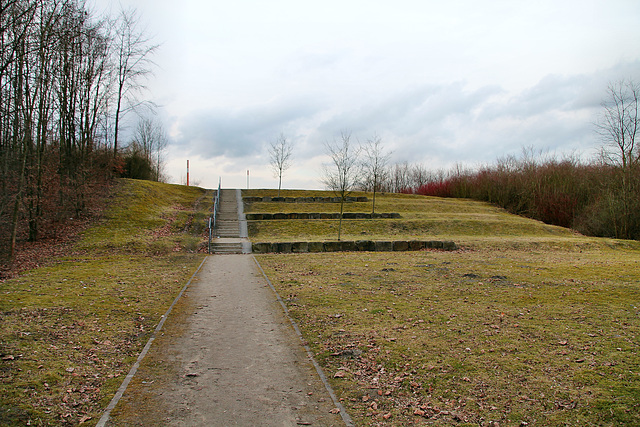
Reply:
x=523, y=324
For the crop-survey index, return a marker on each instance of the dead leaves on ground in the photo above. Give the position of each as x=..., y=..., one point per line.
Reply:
x=58, y=360
x=451, y=338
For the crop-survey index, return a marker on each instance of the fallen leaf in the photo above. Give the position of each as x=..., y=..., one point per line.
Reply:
x=335, y=411
x=8, y=357
x=84, y=419
x=339, y=374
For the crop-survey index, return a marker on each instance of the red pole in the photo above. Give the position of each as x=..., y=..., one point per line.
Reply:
x=187, y=173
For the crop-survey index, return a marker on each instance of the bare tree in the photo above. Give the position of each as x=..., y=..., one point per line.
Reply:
x=374, y=166
x=618, y=127
x=419, y=175
x=133, y=51
x=618, y=124
x=400, y=177
x=151, y=140
x=341, y=175
x=53, y=57
x=280, y=152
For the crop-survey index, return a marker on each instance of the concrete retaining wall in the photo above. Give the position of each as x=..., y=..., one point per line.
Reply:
x=319, y=215
x=352, y=246
x=303, y=199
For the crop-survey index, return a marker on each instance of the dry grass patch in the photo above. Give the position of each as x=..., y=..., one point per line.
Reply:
x=475, y=337
x=423, y=218
x=70, y=331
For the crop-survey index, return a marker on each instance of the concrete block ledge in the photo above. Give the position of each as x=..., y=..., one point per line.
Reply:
x=320, y=215
x=352, y=246
x=254, y=199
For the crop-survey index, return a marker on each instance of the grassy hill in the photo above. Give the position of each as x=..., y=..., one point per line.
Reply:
x=71, y=329
x=467, y=222
x=527, y=324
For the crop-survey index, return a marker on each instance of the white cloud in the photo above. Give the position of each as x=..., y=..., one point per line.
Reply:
x=441, y=82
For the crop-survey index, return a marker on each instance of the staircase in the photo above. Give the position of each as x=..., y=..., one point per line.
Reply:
x=228, y=236
x=227, y=223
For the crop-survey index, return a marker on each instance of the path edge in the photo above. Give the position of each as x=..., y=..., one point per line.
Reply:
x=343, y=412
x=123, y=387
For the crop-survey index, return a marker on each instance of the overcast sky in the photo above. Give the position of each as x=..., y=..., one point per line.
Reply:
x=461, y=81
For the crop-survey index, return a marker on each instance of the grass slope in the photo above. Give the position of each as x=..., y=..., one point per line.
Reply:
x=71, y=330
x=527, y=325
x=464, y=221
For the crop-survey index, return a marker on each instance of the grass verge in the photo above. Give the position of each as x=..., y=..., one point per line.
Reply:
x=71, y=330
x=481, y=337
x=529, y=324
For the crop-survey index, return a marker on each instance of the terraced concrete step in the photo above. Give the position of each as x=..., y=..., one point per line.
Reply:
x=228, y=227
x=223, y=223
x=228, y=235
x=226, y=247
x=228, y=224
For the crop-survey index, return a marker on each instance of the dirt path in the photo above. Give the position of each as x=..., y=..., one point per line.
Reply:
x=230, y=357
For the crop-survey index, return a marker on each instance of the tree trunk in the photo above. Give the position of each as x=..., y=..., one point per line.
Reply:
x=373, y=205
x=340, y=220
x=16, y=209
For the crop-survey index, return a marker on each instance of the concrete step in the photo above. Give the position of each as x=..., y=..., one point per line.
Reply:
x=227, y=224
x=228, y=227
x=226, y=248
x=233, y=217
x=224, y=222
x=228, y=232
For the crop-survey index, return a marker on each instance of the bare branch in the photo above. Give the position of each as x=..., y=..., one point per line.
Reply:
x=133, y=64
x=618, y=123
x=341, y=175
x=280, y=153
x=374, y=166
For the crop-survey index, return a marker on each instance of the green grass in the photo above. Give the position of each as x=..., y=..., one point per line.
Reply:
x=469, y=223
x=546, y=338
x=528, y=324
x=71, y=330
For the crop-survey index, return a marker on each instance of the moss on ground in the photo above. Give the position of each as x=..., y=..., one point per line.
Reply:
x=70, y=331
x=528, y=324
x=508, y=336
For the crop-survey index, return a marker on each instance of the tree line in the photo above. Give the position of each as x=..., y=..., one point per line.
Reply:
x=599, y=197
x=67, y=78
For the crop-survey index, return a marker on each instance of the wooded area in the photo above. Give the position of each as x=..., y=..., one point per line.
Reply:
x=66, y=79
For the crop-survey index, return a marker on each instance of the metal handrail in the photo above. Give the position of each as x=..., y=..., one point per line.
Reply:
x=214, y=215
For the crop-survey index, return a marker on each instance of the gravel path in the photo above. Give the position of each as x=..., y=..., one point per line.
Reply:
x=232, y=359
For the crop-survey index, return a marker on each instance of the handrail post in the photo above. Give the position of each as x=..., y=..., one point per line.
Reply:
x=214, y=215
